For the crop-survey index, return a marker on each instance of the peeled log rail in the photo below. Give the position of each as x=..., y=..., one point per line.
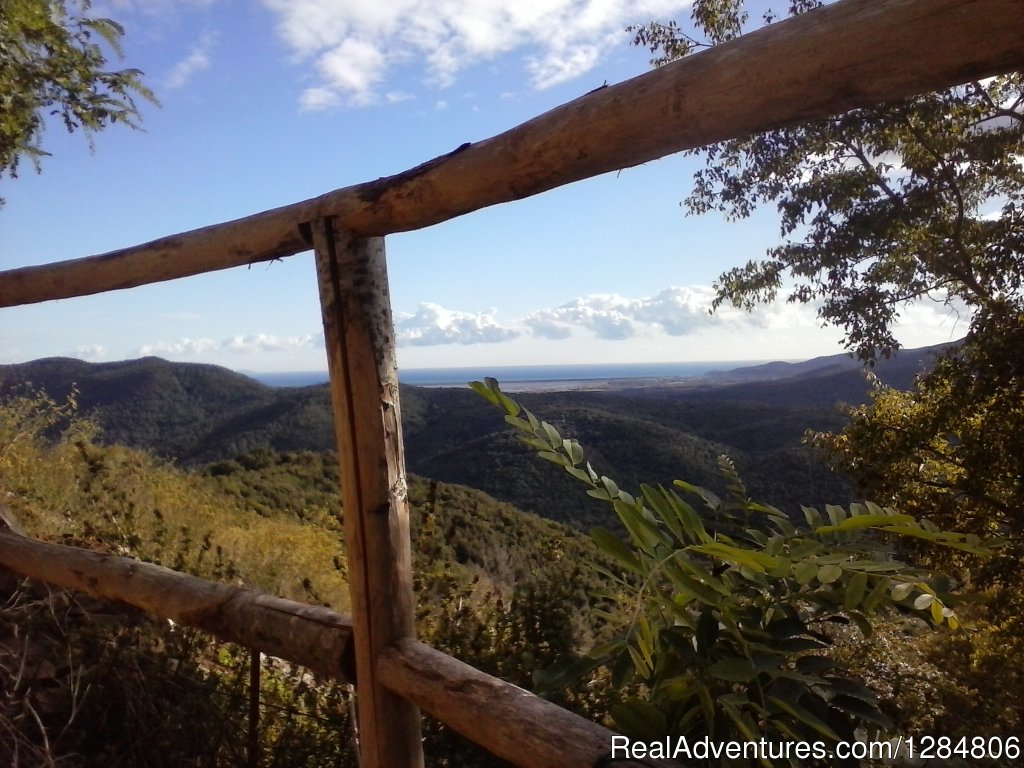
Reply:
x=853, y=53
x=509, y=722
x=315, y=637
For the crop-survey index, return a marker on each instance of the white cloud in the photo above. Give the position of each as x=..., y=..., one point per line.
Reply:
x=354, y=67
x=354, y=44
x=315, y=99
x=676, y=315
x=433, y=324
x=90, y=352
x=263, y=342
x=197, y=60
x=677, y=311
x=253, y=342
x=180, y=347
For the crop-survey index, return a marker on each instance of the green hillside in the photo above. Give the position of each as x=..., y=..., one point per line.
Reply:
x=499, y=588
x=196, y=415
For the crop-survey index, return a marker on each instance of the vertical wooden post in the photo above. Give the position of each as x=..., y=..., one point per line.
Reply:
x=359, y=333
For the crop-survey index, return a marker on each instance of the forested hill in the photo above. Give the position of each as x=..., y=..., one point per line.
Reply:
x=196, y=414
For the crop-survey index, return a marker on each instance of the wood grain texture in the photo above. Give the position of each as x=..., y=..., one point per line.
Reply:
x=510, y=722
x=359, y=334
x=852, y=53
x=315, y=637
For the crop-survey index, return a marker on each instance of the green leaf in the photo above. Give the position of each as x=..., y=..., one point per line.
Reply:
x=521, y=424
x=756, y=561
x=579, y=474
x=610, y=487
x=709, y=498
x=813, y=665
x=855, y=590
x=805, y=717
x=901, y=591
x=805, y=572
x=664, y=511
x=640, y=720
x=877, y=594
x=854, y=688
x=491, y=391
x=862, y=622
x=564, y=673
x=829, y=573
x=734, y=670
x=860, y=522
x=743, y=724
x=705, y=590
x=615, y=548
x=551, y=434
x=678, y=689
x=812, y=516
x=836, y=514
x=573, y=450
x=644, y=533
x=687, y=516
x=554, y=458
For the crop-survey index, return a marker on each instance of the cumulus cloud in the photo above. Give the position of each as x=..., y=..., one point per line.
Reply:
x=197, y=60
x=253, y=342
x=677, y=311
x=354, y=44
x=315, y=99
x=262, y=342
x=432, y=324
x=182, y=346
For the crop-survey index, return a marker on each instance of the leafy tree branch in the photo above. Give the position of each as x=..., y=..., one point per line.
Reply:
x=728, y=603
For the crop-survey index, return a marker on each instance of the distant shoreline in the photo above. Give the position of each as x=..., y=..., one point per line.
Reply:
x=537, y=378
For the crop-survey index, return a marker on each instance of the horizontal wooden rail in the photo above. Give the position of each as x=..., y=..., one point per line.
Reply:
x=853, y=53
x=315, y=637
x=509, y=722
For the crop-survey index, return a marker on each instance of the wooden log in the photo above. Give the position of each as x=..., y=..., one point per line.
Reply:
x=364, y=392
x=315, y=637
x=849, y=54
x=508, y=721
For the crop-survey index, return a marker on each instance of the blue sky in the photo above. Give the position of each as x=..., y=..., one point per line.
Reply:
x=266, y=103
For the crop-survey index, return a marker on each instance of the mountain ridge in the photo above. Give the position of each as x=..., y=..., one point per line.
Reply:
x=197, y=414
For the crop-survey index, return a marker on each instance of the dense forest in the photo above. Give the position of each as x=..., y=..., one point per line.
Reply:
x=197, y=414
x=506, y=591
x=510, y=592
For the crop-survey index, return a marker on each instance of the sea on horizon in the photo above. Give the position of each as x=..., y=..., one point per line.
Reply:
x=520, y=377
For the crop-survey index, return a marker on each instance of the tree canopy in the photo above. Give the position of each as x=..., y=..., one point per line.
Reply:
x=54, y=64
x=728, y=604
x=912, y=201
x=880, y=207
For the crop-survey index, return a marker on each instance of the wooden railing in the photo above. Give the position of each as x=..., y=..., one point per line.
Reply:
x=850, y=54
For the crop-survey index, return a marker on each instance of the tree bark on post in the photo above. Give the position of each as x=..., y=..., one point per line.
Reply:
x=359, y=333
